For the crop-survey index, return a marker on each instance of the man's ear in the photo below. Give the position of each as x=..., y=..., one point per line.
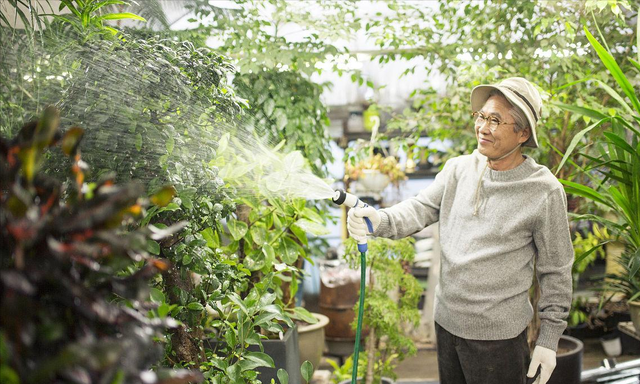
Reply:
x=525, y=134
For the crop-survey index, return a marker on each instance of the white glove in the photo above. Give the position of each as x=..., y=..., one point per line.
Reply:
x=357, y=226
x=546, y=359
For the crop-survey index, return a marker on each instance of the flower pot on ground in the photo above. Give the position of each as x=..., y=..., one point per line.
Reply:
x=283, y=351
x=634, y=311
x=311, y=340
x=285, y=354
x=611, y=344
x=568, y=361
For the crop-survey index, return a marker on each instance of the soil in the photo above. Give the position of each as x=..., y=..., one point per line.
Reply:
x=563, y=351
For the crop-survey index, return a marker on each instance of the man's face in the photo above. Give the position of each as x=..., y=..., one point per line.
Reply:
x=498, y=142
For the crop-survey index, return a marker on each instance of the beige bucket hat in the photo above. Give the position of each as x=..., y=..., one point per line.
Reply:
x=521, y=93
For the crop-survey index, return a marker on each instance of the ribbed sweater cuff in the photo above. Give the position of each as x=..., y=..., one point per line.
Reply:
x=384, y=227
x=549, y=335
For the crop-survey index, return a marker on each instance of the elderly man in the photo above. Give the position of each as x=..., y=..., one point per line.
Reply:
x=500, y=214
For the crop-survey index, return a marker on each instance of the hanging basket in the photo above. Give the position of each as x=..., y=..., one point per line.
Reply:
x=373, y=181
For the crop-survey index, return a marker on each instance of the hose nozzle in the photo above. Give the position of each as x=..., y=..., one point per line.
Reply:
x=342, y=197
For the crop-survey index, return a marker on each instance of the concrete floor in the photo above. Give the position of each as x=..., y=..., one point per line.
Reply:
x=423, y=367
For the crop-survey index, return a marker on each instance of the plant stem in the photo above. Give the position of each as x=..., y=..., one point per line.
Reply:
x=371, y=354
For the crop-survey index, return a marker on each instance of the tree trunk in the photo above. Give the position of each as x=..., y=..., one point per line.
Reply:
x=371, y=355
x=183, y=342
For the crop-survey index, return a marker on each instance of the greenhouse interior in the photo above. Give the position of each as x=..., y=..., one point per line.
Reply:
x=320, y=191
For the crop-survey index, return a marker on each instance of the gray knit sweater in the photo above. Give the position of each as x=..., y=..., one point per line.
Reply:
x=487, y=259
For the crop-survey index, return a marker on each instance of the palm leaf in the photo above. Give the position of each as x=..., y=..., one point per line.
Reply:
x=576, y=139
x=581, y=190
x=615, y=70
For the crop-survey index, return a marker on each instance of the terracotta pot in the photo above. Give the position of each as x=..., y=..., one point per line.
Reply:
x=337, y=304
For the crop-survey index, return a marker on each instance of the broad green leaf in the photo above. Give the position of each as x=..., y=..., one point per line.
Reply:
x=153, y=247
x=258, y=234
x=238, y=301
x=164, y=309
x=288, y=251
x=311, y=227
x=283, y=376
x=253, y=360
x=312, y=215
x=300, y=234
x=307, y=370
x=170, y=208
x=211, y=237
x=268, y=107
x=235, y=373
x=304, y=315
x=157, y=296
x=195, y=306
x=281, y=121
x=269, y=254
x=237, y=228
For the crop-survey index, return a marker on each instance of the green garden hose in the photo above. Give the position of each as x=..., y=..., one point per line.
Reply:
x=356, y=352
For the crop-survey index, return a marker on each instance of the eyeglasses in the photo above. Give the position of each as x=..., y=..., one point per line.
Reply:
x=494, y=122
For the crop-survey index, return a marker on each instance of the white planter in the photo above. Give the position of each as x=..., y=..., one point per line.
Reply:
x=612, y=347
x=372, y=181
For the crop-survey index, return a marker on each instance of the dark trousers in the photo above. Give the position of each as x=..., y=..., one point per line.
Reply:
x=463, y=361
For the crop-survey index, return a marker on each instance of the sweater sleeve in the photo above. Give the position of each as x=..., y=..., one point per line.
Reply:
x=553, y=267
x=414, y=214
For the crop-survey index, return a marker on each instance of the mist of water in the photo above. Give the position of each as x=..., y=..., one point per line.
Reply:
x=145, y=120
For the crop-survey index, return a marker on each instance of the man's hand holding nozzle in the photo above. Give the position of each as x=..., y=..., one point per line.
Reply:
x=358, y=227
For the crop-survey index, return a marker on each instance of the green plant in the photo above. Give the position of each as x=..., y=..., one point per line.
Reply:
x=307, y=371
x=344, y=371
x=268, y=232
x=385, y=317
x=287, y=106
x=387, y=165
x=588, y=248
x=74, y=280
x=88, y=16
x=615, y=184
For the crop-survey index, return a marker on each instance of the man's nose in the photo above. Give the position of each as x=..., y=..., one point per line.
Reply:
x=484, y=128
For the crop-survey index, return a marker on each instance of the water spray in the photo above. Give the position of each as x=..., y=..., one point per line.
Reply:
x=343, y=198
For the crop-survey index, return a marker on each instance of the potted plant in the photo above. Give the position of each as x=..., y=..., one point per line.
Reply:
x=391, y=303
x=375, y=172
x=617, y=185
x=267, y=235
